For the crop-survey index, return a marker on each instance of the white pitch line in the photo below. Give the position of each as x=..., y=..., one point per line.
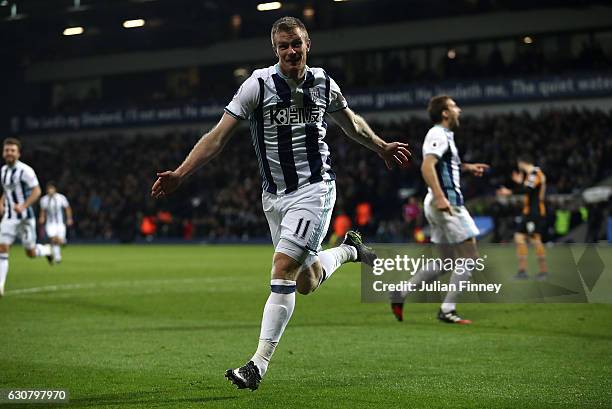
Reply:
x=108, y=284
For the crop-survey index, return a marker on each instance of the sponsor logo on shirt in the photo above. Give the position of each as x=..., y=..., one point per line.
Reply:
x=296, y=115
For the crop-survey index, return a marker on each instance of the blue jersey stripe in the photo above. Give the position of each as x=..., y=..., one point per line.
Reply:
x=7, y=205
x=260, y=148
x=312, y=136
x=26, y=193
x=285, y=137
x=285, y=155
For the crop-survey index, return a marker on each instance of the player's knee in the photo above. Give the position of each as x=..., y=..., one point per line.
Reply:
x=520, y=239
x=4, y=248
x=31, y=253
x=284, y=267
x=306, y=286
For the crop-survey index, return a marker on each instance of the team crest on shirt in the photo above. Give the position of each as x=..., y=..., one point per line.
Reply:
x=314, y=94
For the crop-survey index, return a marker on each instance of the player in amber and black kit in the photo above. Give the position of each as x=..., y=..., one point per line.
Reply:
x=530, y=181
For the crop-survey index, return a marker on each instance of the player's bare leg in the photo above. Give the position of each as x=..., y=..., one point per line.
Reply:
x=521, y=253
x=313, y=274
x=40, y=250
x=286, y=273
x=540, y=251
x=4, y=265
x=277, y=312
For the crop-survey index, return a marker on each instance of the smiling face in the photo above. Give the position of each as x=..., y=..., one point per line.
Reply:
x=11, y=154
x=291, y=48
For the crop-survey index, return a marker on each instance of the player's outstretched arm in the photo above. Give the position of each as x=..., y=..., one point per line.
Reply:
x=393, y=153
x=34, y=196
x=476, y=169
x=209, y=146
x=428, y=169
x=69, y=217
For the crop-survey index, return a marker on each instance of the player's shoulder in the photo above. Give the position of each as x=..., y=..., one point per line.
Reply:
x=25, y=167
x=263, y=73
x=62, y=197
x=436, y=132
x=318, y=72
x=44, y=199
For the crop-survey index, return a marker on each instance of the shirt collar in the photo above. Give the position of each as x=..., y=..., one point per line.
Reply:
x=283, y=76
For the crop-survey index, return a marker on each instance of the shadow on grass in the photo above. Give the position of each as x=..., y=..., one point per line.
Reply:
x=234, y=326
x=143, y=398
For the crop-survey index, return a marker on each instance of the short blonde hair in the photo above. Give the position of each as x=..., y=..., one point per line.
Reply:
x=287, y=24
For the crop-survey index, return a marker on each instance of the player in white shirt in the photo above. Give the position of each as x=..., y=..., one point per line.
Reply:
x=52, y=208
x=20, y=190
x=286, y=106
x=452, y=227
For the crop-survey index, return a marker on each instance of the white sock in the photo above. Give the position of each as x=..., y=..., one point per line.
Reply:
x=57, y=252
x=333, y=258
x=448, y=307
x=450, y=301
x=276, y=315
x=4, y=265
x=43, y=250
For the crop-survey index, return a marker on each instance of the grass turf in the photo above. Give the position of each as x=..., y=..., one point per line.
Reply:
x=156, y=327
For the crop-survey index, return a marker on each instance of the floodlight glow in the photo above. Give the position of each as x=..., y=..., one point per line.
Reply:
x=133, y=23
x=73, y=31
x=274, y=5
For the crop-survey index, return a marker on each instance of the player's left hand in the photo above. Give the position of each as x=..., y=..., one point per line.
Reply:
x=396, y=154
x=166, y=183
x=19, y=208
x=477, y=169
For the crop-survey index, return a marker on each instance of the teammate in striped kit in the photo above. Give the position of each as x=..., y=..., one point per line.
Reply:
x=20, y=191
x=52, y=208
x=452, y=227
x=286, y=106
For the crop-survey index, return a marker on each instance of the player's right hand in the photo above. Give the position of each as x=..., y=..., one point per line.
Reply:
x=443, y=205
x=396, y=154
x=166, y=183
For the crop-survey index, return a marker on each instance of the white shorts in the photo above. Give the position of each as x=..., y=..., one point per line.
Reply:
x=56, y=230
x=446, y=228
x=24, y=228
x=299, y=220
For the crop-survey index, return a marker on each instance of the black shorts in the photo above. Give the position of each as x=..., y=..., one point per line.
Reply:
x=530, y=225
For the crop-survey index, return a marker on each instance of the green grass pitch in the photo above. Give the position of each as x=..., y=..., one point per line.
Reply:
x=157, y=326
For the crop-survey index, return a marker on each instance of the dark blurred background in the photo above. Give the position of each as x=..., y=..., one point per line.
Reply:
x=102, y=110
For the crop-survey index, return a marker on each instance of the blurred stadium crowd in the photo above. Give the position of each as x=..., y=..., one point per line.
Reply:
x=107, y=178
x=352, y=71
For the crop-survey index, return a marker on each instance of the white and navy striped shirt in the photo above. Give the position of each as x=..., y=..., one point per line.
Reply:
x=288, y=126
x=17, y=183
x=54, y=206
x=441, y=143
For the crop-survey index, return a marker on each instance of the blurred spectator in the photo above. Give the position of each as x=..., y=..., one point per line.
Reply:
x=108, y=178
